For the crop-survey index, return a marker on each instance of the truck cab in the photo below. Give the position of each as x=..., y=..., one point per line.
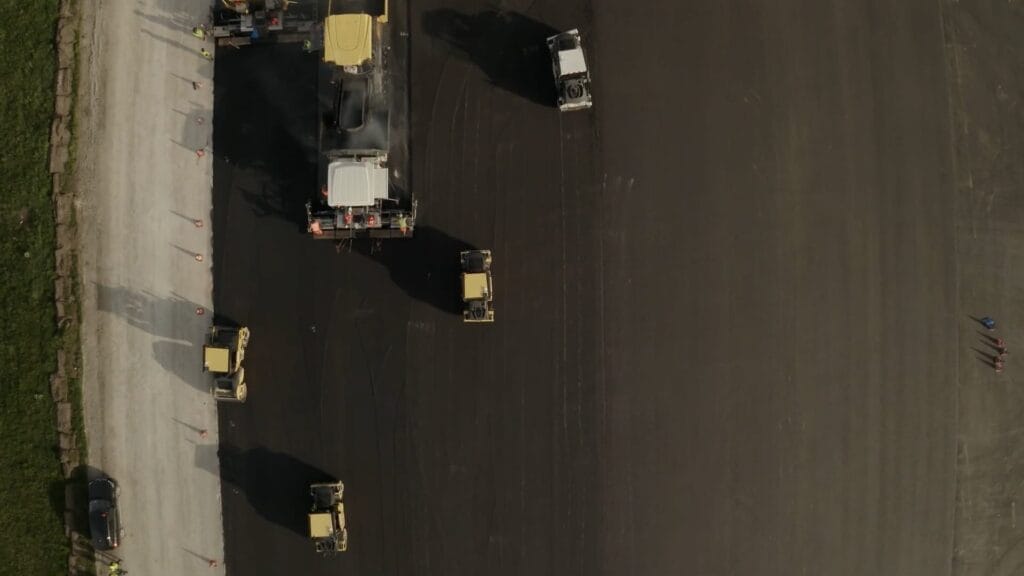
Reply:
x=477, y=286
x=327, y=518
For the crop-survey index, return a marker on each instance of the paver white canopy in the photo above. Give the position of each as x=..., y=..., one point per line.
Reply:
x=571, y=61
x=352, y=182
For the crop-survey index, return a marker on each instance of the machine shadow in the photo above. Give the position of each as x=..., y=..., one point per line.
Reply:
x=508, y=47
x=264, y=148
x=183, y=359
x=275, y=484
x=146, y=311
x=426, y=267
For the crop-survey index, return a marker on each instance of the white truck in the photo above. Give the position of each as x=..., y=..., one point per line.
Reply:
x=572, y=78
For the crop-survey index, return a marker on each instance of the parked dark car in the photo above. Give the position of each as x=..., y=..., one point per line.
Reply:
x=104, y=521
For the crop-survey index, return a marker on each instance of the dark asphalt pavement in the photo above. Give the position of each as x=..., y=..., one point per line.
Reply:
x=984, y=38
x=726, y=301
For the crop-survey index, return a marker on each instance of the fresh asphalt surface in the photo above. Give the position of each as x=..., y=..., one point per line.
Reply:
x=726, y=301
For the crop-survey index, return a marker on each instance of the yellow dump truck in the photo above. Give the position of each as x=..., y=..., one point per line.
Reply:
x=222, y=356
x=477, y=286
x=327, y=518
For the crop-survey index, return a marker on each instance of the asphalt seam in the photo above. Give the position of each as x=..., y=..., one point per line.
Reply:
x=954, y=95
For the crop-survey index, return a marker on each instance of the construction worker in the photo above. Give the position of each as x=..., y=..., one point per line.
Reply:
x=114, y=567
x=307, y=45
x=205, y=53
x=199, y=32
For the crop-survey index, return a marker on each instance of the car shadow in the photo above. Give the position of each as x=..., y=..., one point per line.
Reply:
x=276, y=485
x=70, y=496
x=69, y=501
x=426, y=267
x=508, y=47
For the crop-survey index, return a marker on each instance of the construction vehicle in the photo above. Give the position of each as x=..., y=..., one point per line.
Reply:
x=361, y=94
x=327, y=518
x=477, y=286
x=572, y=78
x=222, y=356
x=240, y=22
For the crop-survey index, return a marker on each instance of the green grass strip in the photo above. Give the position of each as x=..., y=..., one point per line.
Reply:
x=31, y=487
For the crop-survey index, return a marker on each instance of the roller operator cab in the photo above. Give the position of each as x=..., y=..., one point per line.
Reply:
x=477, y=286
x=222, y=356
x=572, y=78
x=327, y=518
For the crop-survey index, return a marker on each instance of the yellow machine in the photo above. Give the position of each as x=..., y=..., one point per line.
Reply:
x=361, y=90
x=327, y=518
x=222, y=356
x=477, y=286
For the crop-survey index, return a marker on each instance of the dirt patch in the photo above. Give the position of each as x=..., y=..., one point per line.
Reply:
x=64, y=383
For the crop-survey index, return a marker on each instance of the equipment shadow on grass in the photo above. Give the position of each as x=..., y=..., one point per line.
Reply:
x=425, y=266
x=275, y=484
x=508, y=47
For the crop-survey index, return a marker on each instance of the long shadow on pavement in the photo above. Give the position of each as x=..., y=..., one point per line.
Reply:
x=163, y=317
x=426, y=267
x=147, y=311
x=508, y=47
x=263, y=146
x=180, y=358
x=275, y=484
